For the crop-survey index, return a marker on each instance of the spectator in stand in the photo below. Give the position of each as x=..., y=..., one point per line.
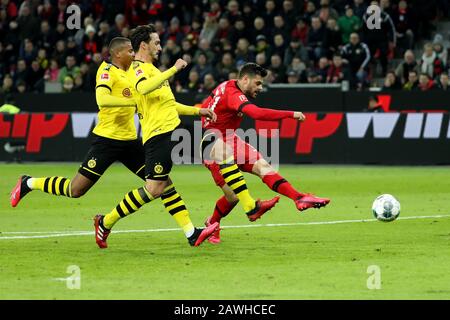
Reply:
x=333, y=39
x=172, y=50
x=60, y=52
x=316, y=36
x=279, y=27
x=88, y=21
x=61, y=32
x=7, y=86
x=409, y=63
x=359, y=8
x=233, y=75
x=205, y=47
x=187, y=47
x=21, y=73
x=215, y=10
x=277, y=69
x=357, y=55
x=42, y=59
x=248, y=13
x=88, y=79
x=202, y=66
x=269, y=13
x=382, y=41
x=68, y=84
x=413, y=81
x=300, y=31
x=262, y=46
x=70, y=70
x=232, y=12
x=91, y=43
x=46, y=38
x=103, y=32
x=209, y=83
x=173, y=32
x=289, y=12
x=259, y=28
x=337, y=71
x=310, y=11
x=243, y=53
x=279, y=45
x=35, y=77
x=443, y=83
x=430, y=62
x=405, y=24
x=52, y=73
x=223, y=32
x=441, y=52
x=348, y=24
x=391, y=82
x=426, y=83
x=28, y=51
x=119, y=24
x=239, y=31
x=21, y=87
x=73, y=50
x=261, y=59
x=326, y=12
x=298, y=67
x=29, y=25
x=322, y=69
x=295, y=49
x=225, y=66
x=293, y=77
x=210, y=27
x=194, y=81
x=313, y=77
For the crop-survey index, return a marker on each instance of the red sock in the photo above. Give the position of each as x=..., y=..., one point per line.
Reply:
x=222, y=209
x=278, y=184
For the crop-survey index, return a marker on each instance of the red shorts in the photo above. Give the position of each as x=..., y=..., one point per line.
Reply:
x=245, y=156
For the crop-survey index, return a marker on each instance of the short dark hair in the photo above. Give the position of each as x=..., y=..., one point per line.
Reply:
x=252, y=69
x=116, y=43
x=141, y=33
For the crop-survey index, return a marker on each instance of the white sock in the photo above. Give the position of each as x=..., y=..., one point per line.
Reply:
x=30, y=183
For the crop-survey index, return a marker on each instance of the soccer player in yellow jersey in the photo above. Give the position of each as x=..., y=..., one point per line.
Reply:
x=158, y=113
x=114, y=136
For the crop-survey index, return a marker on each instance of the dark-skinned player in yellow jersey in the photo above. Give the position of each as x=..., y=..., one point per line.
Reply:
x=159, y=116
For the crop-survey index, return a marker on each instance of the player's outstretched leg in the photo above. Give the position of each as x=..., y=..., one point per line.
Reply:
x=280, y=185
x=52, y=185
x=223, y=207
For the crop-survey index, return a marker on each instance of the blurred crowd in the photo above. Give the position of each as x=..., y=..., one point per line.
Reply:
x=299, y=41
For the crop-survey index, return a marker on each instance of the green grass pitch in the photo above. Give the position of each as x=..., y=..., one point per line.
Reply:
x=306, y=258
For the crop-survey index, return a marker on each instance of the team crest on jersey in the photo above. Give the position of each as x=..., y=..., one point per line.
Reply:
x=104, y=76
x=126, y=92
x=243, y=98
x=158, y=169
x=92, y=163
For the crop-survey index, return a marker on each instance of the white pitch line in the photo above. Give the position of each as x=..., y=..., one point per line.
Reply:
x=55, y=234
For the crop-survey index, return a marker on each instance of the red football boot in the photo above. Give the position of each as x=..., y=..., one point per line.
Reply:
x=101, y=233
x=19, y=191
x=201, y=235
x=261, y=208
x=310, y=201
x=215, y=236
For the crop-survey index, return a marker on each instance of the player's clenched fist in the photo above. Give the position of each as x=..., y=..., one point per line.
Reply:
x=299, y=116
x=180, y=64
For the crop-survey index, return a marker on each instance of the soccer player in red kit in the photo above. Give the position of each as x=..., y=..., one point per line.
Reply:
x=230, y=154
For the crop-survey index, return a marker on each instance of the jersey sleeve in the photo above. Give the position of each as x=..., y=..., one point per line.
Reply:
x=105, y=78
x=237, y=100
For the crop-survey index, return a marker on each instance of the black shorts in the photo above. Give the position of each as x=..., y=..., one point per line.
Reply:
x=104, y=152
x=158, y=156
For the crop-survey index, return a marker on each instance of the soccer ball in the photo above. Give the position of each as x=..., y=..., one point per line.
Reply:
x=386, y=208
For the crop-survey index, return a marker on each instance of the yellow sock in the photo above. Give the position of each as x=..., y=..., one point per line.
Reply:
x=235, y=180
x=58, y=186
x=175, y=205
x=132, y=201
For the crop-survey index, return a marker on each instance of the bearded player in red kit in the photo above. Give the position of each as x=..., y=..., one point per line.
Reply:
x=230, y=154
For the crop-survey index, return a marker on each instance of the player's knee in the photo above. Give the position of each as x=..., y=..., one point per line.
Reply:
x=262, y=167
x=155, y=188
x=77, y=192
x=231, y=198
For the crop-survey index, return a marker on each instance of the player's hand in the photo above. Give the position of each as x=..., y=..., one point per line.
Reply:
x=299, y=116
x=211, y=115
x=180, y=64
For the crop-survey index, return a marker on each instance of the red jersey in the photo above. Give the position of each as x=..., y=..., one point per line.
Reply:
x=230, y=104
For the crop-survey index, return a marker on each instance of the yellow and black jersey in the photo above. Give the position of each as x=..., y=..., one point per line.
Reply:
x=115, y=122
x=158, y=111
